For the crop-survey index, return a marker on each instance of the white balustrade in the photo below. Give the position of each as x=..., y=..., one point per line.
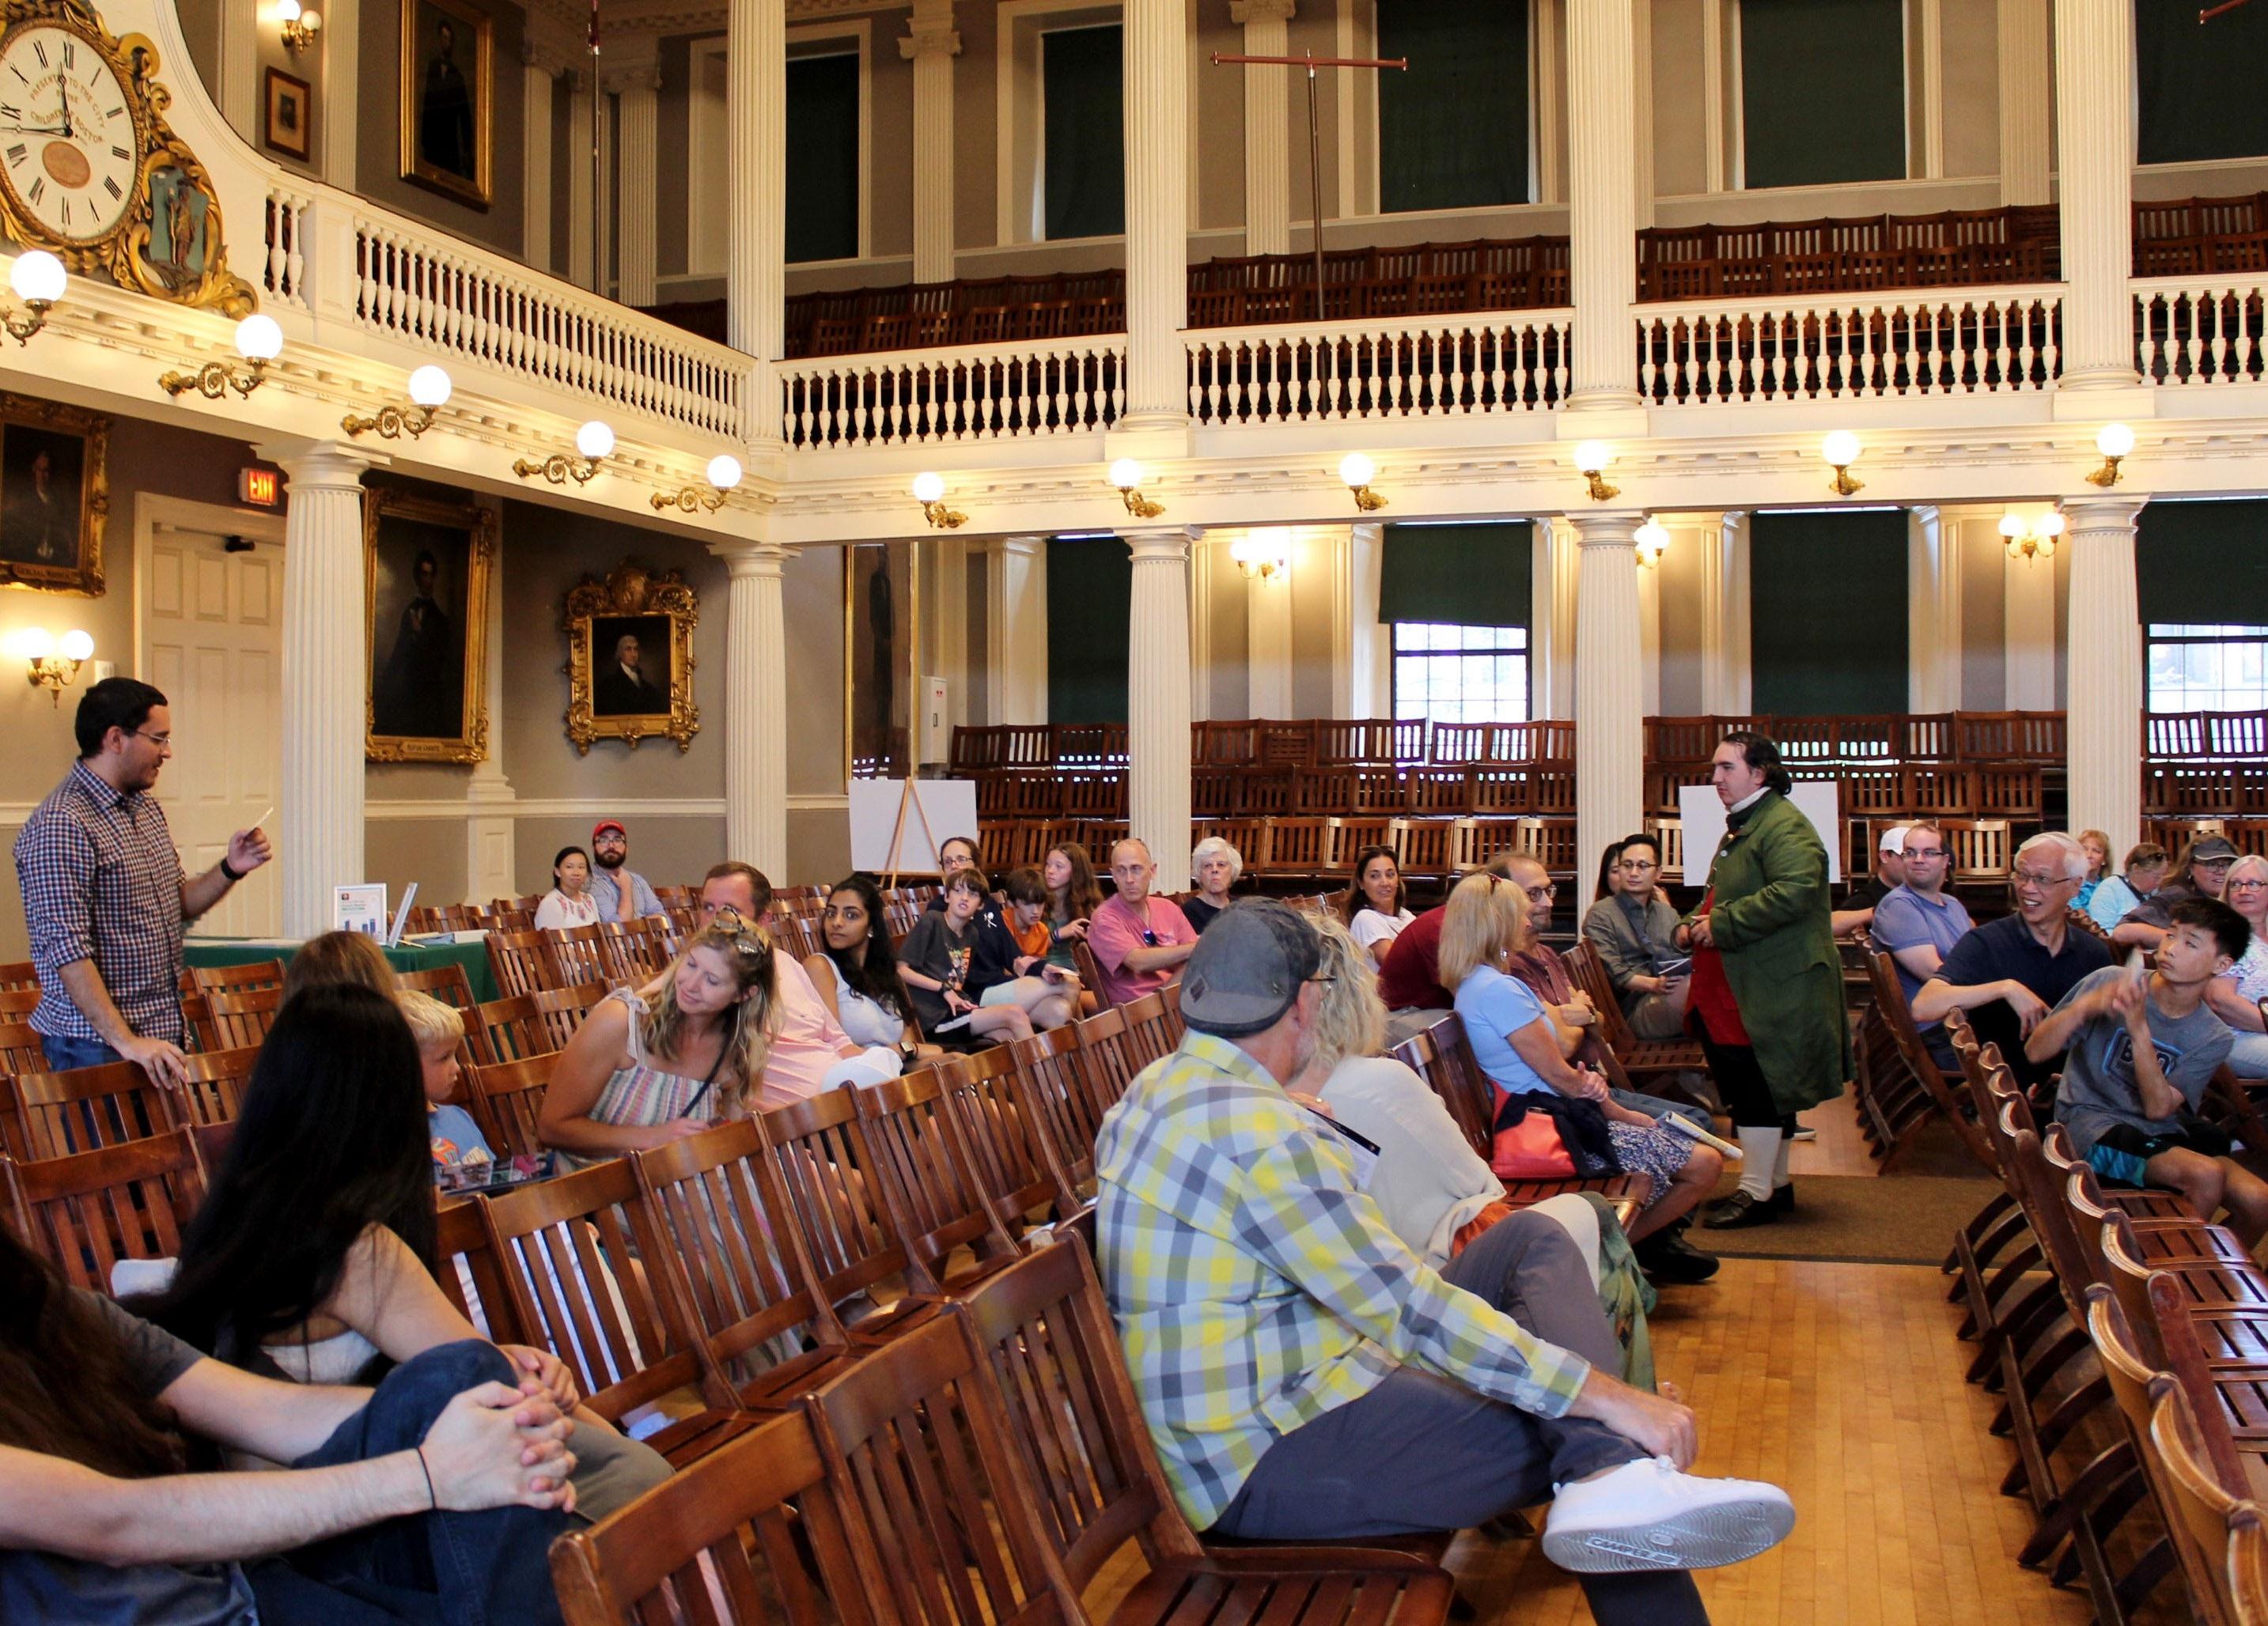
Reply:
x=1013, y=391
x=284, y=270
x=1435, y=366
x=2192, y=330
x=1919, y=342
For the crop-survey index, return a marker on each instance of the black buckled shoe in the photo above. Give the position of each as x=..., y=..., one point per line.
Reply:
x=1672, y=1261
x=1741, y=1211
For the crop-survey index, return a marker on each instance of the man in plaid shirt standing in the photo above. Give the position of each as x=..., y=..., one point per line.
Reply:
x=105, y=895
x=1304, y=1375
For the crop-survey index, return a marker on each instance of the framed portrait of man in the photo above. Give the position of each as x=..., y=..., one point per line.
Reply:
x=448, y=102
x=428, y=569
x=630, y=659
x=54, y=496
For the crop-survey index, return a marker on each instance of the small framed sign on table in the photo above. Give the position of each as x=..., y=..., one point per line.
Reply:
x=360, y=908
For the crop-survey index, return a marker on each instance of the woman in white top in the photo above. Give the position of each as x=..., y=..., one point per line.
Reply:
x=569, y=902
x=1376, y=906
x=856, y=974
x=2236, y=993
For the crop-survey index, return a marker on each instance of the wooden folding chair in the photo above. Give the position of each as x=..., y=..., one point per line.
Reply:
x=1113, y=1055
x=241, y=1020
x=936, y=1199
x=215, y=1093
x=634, y=952
x=444, y=983
x=468, y=1273
x=1015, y=1163
x=2136, y=1388
x=511, y=1094
x=242, y=979
x=523, y=962
x=2203, y=1500
x=18, y=1003
x=90, y=1210
x=20, y=1048
x=1474, y=1115
x=580, y=955
x=733, y=1528
x=1059, y=1091
x=576, y=1255
x=18, y=973
x=1890, y=1005
x=58, y=1114
x=522, y=1025
x=1641, y=1058
x=1149, y=1033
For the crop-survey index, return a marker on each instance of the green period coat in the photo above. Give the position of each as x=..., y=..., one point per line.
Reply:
x=1771, y=920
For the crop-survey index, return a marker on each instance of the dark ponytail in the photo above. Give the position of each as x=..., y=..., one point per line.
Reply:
x=1762, y=755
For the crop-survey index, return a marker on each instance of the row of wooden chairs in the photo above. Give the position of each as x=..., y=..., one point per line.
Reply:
x=2246, y=835
x=615, y=953
x=1309, y=848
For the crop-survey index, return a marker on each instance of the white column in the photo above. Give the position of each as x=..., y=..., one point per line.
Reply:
x=1609, y=745
x=755, y=180
x=1016, y=629
x=1649, y=639
x=1552, y=635
x=2094, y=153
x=1157, y=695
x=1156, y=73
x=639, y=84
x=1725, y=620
x=2025, y=75
x=326, y=660
x=1602, y=217
x=536, y=156
x=1267, y=126
x=341, y=93
x=1362, y=676
x=1933, y=607
x=1547, y=29
x=2104, y=720
x=945, y=637
x=2028, y=605
x=582, y=244
x=1933, y=88
x=930, y=44
x=755, y=706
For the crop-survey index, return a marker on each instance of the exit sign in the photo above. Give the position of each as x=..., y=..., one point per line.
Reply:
x=263, y=487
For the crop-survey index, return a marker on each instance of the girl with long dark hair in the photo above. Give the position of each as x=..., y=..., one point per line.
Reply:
x=1375, y=906
x=1073, y=895
x=856, y=973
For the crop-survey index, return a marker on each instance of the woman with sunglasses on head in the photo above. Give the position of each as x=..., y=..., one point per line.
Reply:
x=856, y=974
x=1376, y=905
x=1632, y=928
x=2234, y=995
x=653, y=1065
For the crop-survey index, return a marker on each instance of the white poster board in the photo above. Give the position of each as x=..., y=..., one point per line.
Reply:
x=1819, y=801
x=360, y=908
x=948, y=806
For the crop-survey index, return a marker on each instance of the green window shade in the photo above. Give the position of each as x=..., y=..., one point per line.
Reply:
x=1090, y=605
x=1827, y=612
x=1085, y=178
x=2203, y=564
x=1452, y=130
x=1823, y=91
x=2199, y=85
x=822, y=157
x=1456, y=575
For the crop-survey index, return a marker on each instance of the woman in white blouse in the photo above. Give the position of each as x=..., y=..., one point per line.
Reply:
x=1376, y=906
x=569, y=902
x=856, y=975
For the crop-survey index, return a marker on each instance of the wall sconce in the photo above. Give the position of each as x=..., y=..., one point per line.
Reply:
x=2116, y=444
x=1841, y=450
x=1262, y=555
x=1126, y=474
x=258, y=340
x=1651, y=541
x=723, y=474
x=1359, y=471
x=37, y=278
x=1591, y=460
x=2037, y=540
x=929, y=491
x=299, y=26
x=593, y=442
x=54, y=663
x=429, y=392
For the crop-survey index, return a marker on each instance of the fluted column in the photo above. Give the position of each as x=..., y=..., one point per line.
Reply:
x=326, y=657
x=1725, y=619
x=1267, y=127
x=2026, y=73
x=1609, y=683
x=1016, y=629
x=536, y=155
x=1157, y=695
x=756, y=174
x=2104, y=684
x=639, y=85
x=1156, y=72
x=2094, y=141
x=755, y=706
x=1551, y=630
x=1602, y=200
x=930, y=44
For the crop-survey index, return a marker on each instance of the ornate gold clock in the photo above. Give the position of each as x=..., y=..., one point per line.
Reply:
x=89, y=168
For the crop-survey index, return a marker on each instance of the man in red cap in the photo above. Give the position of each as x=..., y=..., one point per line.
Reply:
x=620, y=893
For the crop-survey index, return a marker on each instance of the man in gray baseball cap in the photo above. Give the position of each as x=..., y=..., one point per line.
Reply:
x=1304, y=1374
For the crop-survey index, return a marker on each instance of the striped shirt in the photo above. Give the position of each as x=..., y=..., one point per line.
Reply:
x=101, y=881
x=1255, y=1287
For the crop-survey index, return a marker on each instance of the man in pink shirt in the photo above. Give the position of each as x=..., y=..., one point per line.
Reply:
x=1139, y=942
x=809, y=1053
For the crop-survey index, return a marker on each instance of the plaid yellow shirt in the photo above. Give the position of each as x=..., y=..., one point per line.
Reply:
x=1256, y=1287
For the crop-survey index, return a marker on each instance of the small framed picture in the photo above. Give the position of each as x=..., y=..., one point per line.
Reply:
x=290, y=115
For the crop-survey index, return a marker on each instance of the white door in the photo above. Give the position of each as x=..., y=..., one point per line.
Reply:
x=212, y=639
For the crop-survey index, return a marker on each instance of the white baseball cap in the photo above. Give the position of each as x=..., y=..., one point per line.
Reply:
x=1894, y=839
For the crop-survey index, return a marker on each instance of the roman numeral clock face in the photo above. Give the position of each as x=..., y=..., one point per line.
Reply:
x=67, y=135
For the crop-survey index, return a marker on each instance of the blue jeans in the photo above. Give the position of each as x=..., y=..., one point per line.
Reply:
x=1654, y=1106
x=64, y=1054
x=446, y=1568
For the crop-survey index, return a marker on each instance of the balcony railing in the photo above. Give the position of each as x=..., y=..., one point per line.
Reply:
x=986, y=391
x=1412, y=366
x=2199, y=330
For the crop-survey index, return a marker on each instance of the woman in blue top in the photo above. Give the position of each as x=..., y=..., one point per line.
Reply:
x=1516, y=1041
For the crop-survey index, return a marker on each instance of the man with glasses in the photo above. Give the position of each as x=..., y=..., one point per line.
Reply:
x=1918, y=922
x=105, y=894
x=620, y=893
x=2010, y=973
x=1139, y=941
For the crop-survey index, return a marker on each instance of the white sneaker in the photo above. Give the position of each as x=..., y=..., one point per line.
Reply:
x=1646, y=1515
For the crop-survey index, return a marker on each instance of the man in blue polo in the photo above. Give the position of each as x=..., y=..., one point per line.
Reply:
x=1918, y=922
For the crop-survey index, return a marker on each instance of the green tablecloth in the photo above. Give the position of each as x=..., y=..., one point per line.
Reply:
x=474, y=957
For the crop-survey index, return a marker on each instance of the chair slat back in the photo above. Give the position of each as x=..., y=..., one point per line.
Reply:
x=17, y=974
x=522, y=1025
x=20, y=1049
x=242, y=1019
x=470, y=1274
x=511, y=1093
x=1113, y=1058
x=1422, y=1054
x=1015, y=1164
x=242, y=979
x=1148, y=1030
x=89, y=1210
x=2199, y=1505
x=215, y=1093
x=726, y=1529
x=18, y=1003
x=523, y=961
x=834, y=1190
x=1056, y=1089
x=579, y=954
x=58, y=1114
x=445, y=983
x=634, y=952
x=936, y=1199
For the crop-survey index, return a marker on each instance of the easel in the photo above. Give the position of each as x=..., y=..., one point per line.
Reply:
x=1311, y=62
x=908, y=796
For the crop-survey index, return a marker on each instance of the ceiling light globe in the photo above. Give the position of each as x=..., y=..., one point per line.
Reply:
x=430, y=388
x=2116, y=440
x=1840, y=448
x=287, y=11
x=1592, y=456
x=928, y=487
x=35, y=643
x=594, y=440
x=2011, y=526
x=2050, y=524
x=1126, y=474
x=1653, y=536
x=258, y=338
x=1356, y=469
x=38, y=277
x=78, y=644
x=724, y=471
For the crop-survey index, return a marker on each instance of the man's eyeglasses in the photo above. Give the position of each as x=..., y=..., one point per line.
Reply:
x=1924, y=852
x=1540, y=894
x=2029, y=877
x=164, y=742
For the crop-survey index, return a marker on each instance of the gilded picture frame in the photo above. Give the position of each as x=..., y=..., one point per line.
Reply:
x=630, y=659
x=429, y=568
x=448, y=103
x=54, y=496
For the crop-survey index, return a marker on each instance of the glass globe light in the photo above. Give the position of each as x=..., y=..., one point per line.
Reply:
x=929, y=488
x=38, y=277
x=1840, y=448
x=594, y=440
x=35, y=643
x=430, y=388
x=1126, y=474
x=2052, y=523
x=1356, y=469
x=724, y=471
x=2116, y=440
x=258, y=338
x=2011, y=526
x=78, y=644
x=1592, y=456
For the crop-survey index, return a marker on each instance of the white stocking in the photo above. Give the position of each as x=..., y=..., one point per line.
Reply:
x=1760, y=1152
